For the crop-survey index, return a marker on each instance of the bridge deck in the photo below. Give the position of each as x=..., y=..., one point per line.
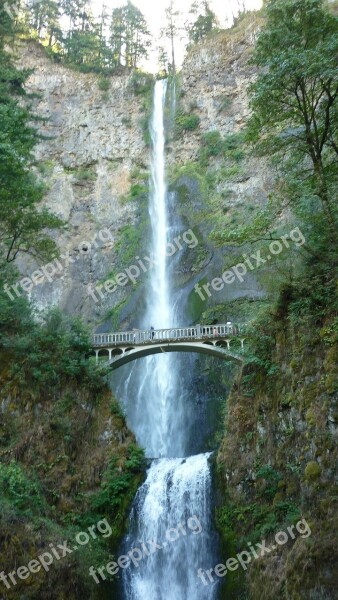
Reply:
x=180, y=334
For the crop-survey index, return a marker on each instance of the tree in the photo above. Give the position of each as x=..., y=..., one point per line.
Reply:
x=294, y=100
x=116, y=39
x=171, y=31
x=163, y=59
x=136, y=36
x=130, y=38
x=22, y=223
x=44, y=18
x=104, y=57
x=205, y=21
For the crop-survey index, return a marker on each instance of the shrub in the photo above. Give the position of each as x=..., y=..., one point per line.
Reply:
x=86, y=174
x=226, y=103
x=21, y=491
x=214, y=145
x=126, y=121
x=136, y=190
x=312, y=471
x=104, y=84
x=186, y=122
x=141, y=83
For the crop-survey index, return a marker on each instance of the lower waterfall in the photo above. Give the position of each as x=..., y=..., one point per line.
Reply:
x=172, y=512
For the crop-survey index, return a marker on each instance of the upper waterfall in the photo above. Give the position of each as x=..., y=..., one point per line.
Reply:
x=159, y=312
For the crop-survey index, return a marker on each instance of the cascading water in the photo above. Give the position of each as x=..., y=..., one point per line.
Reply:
x=156, y=398
x=173, y=509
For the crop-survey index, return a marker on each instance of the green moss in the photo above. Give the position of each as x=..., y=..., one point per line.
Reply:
x=312, y=471
x=195, y=305
x=128, y=244
x=310, y=418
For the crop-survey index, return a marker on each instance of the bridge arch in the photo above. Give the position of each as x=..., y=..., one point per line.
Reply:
x=121, y=348
x=141, y=352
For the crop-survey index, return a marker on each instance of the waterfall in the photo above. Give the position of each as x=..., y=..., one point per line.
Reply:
x=155, y=403
x=177, y=490
x=173, y=508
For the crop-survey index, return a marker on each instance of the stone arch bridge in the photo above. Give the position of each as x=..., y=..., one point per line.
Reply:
x=223, y=341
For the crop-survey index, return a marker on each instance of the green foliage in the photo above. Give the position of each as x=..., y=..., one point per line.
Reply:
x=260, y=360
x=19, y=490
x=230, y=147
x=204, y=23
x=141, y=83
x=253, y=522
x=127, y=121
x=144, y=124
x=85, y=45
x=312, y=471
x=130, y=37
x=295, y=98
x=136, y=190
x=104, y=84
x=23, y=223
x=271, y=478
x=212, y=143
x=44, y=355
x=86, y=173
x=186, y=122
x=330, y=333
x=128, y=243
x=117, y=482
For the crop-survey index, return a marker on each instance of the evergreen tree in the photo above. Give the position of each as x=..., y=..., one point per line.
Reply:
x=82, y=43
x=171, y=31
x=22, y=222
x=130, y=37
x=43, y=17
x=163, y=59
x=116, y=40
x=104, y=57
x=205, y=21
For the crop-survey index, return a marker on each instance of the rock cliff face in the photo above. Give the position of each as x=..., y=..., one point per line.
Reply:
x=276, y=463
x=95, y=161
x=92, y=141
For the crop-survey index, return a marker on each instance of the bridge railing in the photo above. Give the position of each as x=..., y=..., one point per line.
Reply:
x=195, y=332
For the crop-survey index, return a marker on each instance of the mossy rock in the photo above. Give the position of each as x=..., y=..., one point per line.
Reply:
x=312, y=471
